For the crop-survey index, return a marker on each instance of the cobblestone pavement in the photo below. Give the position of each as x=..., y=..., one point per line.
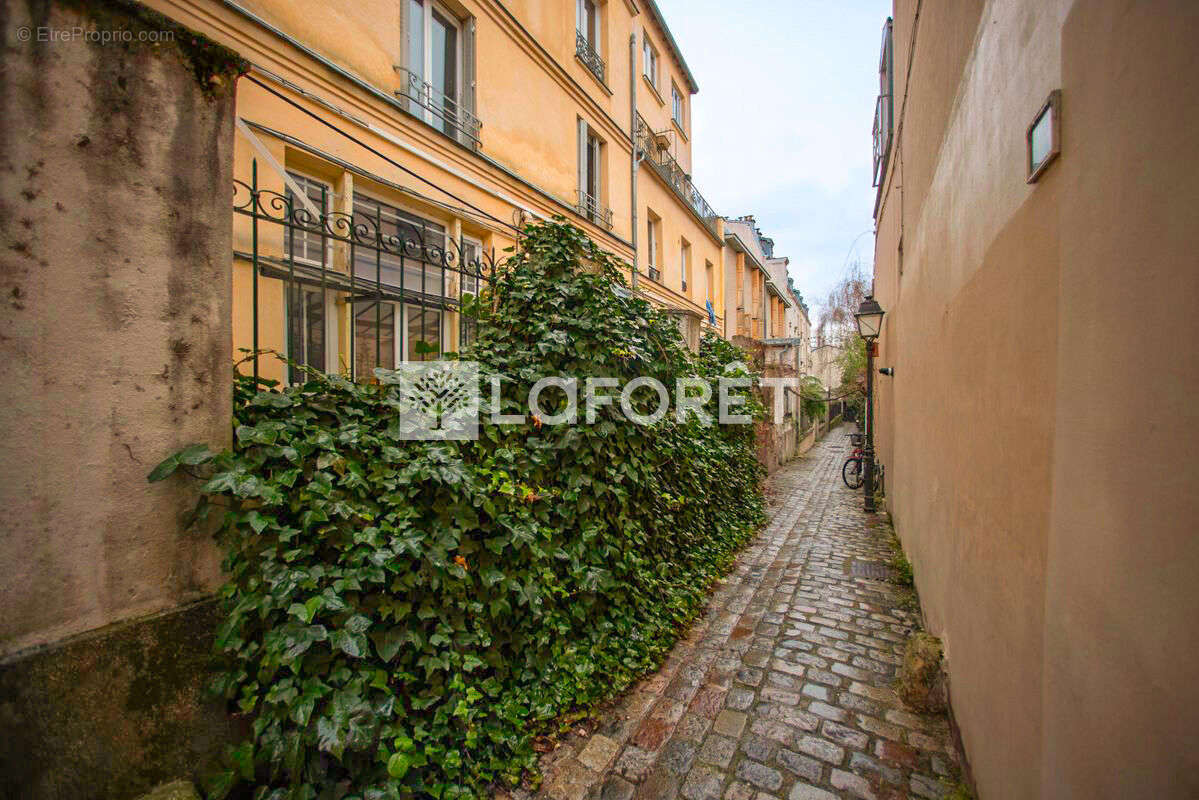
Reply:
x=782, y=690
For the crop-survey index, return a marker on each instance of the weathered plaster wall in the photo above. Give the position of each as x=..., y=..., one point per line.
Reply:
x=115, y=339
x=1035, y=430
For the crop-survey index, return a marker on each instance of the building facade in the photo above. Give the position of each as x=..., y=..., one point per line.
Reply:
x=400, y=145
x=1035, y=257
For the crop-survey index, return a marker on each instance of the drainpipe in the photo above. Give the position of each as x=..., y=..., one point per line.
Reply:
x=633, y=135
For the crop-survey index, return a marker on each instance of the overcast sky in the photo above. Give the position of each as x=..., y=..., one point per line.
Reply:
x=781, y=124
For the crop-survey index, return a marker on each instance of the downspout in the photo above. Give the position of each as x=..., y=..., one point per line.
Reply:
x=633, y=135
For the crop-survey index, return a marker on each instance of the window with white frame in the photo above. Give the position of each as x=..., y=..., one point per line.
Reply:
x=649, y=61
x=435, y=62
x=678, y=107
x=304, y=238
x=587, y=22
x=685, y=263
x=472, y=267
x=404, y=322
x=653, y=227
x=591, y=169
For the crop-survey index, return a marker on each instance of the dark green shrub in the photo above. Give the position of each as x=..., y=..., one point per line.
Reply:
x=403, y=617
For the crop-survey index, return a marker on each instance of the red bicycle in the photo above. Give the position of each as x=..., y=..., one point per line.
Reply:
x=851, y=471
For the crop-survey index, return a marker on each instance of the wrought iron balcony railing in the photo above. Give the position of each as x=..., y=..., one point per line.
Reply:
x=668, y=168
x=588, y=55
x=439, y=110
x=882, y=136
x=654, y=273
x=591, y=208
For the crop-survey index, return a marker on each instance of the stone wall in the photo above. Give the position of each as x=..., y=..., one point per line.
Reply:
x=115, y=350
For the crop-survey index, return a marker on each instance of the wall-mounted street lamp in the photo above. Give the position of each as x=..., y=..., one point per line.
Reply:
x=870, y=324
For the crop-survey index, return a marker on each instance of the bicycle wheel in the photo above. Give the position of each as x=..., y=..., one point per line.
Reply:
x=851, y=473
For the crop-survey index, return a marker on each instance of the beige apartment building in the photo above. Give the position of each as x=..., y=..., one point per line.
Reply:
x=441, y=127
x=1036, y=259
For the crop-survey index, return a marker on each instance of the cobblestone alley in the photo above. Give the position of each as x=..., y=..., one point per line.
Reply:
x=783, y=689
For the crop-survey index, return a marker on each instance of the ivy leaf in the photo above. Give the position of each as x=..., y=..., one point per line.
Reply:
x=398, y=765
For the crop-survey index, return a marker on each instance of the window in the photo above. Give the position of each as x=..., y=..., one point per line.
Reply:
x=587, y=36
x=652, y=229
x=677, y=108
x=685, y=263
x=386, y=330
x=588, y=22
x=883, y=107
x=591, y=168
x=304, y=240
x=472, y=252
x=649, y=61
x=306, y=315
x=410, y=262
x=307, y=319
x=710, y=280
x=437, y=63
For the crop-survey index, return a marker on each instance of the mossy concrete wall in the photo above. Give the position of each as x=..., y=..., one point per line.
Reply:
x=112, y=713
x=116, y=134
x=115, y=322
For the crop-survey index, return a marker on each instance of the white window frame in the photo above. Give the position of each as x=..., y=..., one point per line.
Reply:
x=651, y=241
x=332, y=349
x=426, y=68
x=305, y=182
x=678, y=106
x=596, y=23
x=684, y=262
x=649, y=58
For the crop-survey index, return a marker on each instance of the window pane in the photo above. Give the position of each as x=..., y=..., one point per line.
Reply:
x=416, y=37
x=374, y=338
x=444, y=77
x=424, y=327
x=304, y=236
x=413, y=248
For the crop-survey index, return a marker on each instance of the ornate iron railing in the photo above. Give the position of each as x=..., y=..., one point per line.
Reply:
x=654, y=273
x=366, y=262
x=439, y=110
x=882, y=136
x=588, y=55
x=668, y=168
x=591, y=208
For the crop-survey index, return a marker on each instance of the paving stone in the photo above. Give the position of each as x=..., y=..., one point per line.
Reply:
x=739, y=699
x=678, y=756
x=801, y=791
x=652, y=733
x=856, y=785
x=817, y=691
x=718, y=750
x=598, y=752
x=866, y=766
x=659, y=785
x=730, y=723
x=760, y=775
x=739, y=790
x=898, y=753
x=759, y=748
x=827, y=711
x=749, y=676
x=693, y=726
x=927, y=786
x=880, y=728
x=570, y=781
x=617, y=788
x=777, y=695
x=820, y=748
x=635, y=763
x=708, y=701
x=804, y=766
x=703, y=783
x=846, y=737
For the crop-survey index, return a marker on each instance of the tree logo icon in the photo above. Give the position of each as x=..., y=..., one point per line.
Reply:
x=438, y=400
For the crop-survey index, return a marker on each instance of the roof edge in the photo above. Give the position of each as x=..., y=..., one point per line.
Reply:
x=677, y=51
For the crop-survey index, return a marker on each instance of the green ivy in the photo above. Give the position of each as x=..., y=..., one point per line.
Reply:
x=402, y=617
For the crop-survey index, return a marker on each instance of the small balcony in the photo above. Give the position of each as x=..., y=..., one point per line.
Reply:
x=651, y=150
x=588, y=55
x=591, y=208
x=444, y=113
